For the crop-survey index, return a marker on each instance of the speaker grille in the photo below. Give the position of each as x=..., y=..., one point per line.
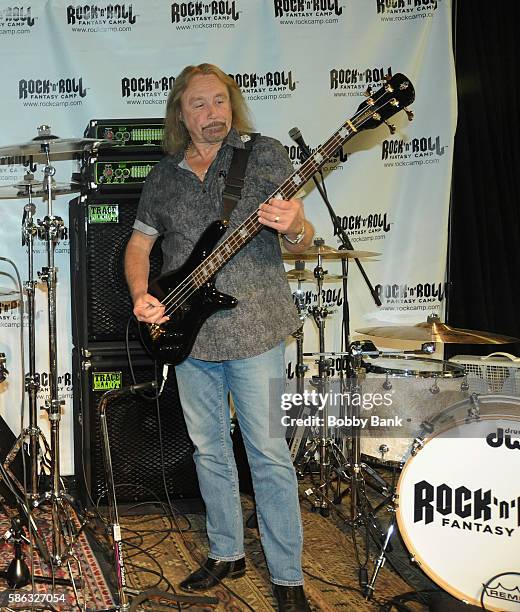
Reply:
x=101, y=301
x=135, y=440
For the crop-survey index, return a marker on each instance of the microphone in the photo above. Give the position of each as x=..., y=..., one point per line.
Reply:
x=296, y=135
x=142, y=387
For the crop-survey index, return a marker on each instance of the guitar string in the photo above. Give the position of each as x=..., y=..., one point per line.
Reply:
x=179, y=293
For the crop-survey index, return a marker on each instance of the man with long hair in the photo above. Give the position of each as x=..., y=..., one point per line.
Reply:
x=240, y=350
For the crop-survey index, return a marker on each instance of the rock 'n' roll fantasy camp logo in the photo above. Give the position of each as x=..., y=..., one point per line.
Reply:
x=92, y=18
x=206, y=14
x=65, y=91
x=277, y=84
x=308, y=12
x=146, y=89
x=357, y=80
x=423, y=295
x=16, y=20
x=404, y=10
x=417, y=151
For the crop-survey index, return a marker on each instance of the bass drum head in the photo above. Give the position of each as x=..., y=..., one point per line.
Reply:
x=458, y=504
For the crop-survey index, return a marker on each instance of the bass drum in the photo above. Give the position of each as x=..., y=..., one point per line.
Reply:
x=412, y=390
x=458, y=501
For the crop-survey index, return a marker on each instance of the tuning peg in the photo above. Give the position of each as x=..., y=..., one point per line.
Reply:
x=409, y=114
x=387, y=77
x=368, y=91
x=391, y=127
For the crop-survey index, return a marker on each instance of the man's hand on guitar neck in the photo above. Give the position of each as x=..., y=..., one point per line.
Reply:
x=288, y=219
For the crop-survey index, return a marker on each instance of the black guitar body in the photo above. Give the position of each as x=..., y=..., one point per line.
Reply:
x=171, y=342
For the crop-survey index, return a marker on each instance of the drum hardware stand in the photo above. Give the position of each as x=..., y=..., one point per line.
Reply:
x=368, y=589
x=319, y=316
x=329, y=452
x=301, y=368
x=32, y=387
x=50, y=230
x=354, y=466
x=120, y=571
x=32, y=383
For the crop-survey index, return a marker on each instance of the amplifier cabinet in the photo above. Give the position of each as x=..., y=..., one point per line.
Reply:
x=100, y=226
x=138, y=430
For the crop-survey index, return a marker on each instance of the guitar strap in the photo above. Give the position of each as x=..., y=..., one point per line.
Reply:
x=235, y=177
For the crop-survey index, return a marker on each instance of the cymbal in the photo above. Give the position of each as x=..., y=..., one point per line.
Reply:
x=308, y=276
x=36, y=188
x=327, y=252
x=64, y=148
x=433, y=330
x=6, y=292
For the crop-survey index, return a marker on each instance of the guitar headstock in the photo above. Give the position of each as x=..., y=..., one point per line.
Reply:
x=394, y=96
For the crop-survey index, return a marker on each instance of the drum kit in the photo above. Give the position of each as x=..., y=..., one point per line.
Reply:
x=444, y=446
x=43, y=457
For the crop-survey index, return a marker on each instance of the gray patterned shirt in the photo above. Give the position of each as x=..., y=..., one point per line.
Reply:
x=177, y=205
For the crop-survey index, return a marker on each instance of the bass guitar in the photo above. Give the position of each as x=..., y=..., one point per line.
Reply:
x=189, y=293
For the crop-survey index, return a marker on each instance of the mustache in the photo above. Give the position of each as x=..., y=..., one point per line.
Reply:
x=214, y=124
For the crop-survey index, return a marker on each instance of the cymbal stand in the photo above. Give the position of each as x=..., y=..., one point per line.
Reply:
x=329, y=452
x=32, y=386
x=51, y=230
x=32, y=382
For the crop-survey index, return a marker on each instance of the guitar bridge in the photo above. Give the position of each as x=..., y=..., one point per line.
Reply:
x=156, y=331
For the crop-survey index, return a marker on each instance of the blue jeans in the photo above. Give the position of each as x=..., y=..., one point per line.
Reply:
x=203, y=390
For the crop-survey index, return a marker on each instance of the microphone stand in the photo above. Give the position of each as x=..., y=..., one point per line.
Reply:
x=129, y=599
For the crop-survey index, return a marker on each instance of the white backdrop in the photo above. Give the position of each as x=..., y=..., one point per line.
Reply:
x=300, y=63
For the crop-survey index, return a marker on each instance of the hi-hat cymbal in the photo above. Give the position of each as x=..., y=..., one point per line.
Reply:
x=328, y=252
x=64, y=148
x=36, y=188
x=433, y=330
x=308, y=276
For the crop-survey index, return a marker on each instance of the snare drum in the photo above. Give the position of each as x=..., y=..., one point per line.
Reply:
x=458, y=501
x=412, y=389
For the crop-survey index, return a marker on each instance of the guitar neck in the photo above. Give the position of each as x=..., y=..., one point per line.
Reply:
x=251, y=226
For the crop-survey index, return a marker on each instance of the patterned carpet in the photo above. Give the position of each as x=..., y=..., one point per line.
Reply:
x=92, y=592
x=329, y=561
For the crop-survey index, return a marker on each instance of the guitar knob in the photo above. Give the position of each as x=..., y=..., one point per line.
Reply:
x=409, y=114
x=391, y=127
x=368, y=91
